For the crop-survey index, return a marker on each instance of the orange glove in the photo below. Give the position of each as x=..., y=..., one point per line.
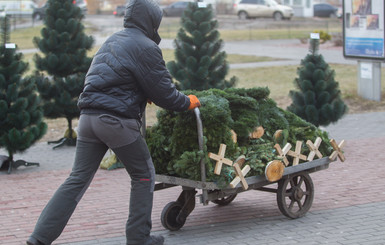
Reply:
x=194, y=102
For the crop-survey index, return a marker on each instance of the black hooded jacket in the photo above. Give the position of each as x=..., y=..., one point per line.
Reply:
x=129, y=69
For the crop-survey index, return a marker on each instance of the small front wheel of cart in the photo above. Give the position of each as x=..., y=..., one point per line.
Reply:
x=295, y=195
x=225, y=200
x=169, y=216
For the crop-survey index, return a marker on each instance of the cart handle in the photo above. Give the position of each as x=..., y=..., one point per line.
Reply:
x=200, y=141
x=202, y=162
x=199, y=127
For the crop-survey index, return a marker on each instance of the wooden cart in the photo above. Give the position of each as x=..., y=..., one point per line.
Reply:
x=295, y=191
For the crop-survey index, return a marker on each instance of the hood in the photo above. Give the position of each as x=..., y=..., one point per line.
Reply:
x=285, y=8
x=145, y=15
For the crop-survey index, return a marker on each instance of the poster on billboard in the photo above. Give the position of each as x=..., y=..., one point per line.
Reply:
x=363, y=28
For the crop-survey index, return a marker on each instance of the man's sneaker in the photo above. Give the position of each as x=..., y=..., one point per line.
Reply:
x=156, y=240
x=34, y=241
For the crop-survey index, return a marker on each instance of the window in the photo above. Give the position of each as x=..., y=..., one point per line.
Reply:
x=297, y=2
x=249, y=1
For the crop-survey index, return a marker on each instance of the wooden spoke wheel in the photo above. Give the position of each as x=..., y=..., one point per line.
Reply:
x=295, y=195
x=225, y=200
x=169, y=216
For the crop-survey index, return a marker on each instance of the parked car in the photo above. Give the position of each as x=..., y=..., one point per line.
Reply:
x=246, y=9
x=119, y=11
x=39, y=13
x=20, y=8
x=325, y=10
x=82, y=4
x=175, y=9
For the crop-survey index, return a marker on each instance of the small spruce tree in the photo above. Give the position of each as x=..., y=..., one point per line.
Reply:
x=318, y=100
x=64, y=46
x=199, y=64
x=21, y=115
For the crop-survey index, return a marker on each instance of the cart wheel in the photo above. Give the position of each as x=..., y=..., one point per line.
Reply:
x=225, y=200
x=169, y=216
x=295, y=195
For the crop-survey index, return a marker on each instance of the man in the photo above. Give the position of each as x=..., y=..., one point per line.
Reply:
x=364, y=8
x=125, y=73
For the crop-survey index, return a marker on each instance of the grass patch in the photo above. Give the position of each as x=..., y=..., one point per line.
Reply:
x=280, y=81
x=28, y=57
x=31, y=64
x=255, y=34
x=168, y=55
x=23, y=37
x=170, y=27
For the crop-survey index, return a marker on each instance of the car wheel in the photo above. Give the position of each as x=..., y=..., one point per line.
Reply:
x=277, y=16
x=333, y=15
x=243, y=15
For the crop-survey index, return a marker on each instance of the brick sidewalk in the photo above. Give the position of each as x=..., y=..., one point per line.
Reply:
x=361, y=225
x=103, y=211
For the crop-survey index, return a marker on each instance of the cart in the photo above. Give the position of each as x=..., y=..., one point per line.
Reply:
x=295, y=190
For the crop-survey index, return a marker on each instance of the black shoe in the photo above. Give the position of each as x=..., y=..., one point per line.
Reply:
x=156, y=240
x=34, y=241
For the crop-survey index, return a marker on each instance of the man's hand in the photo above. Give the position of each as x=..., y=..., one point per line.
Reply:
x=194, y=102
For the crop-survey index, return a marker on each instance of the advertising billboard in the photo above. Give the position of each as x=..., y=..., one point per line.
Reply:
x=363, y=28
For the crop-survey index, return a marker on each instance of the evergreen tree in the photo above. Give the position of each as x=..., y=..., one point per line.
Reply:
x=64, y=46
x=319, y=99
x=21, y=115
x=199, y=63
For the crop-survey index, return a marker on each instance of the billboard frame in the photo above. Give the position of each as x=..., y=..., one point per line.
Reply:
x=363, y=30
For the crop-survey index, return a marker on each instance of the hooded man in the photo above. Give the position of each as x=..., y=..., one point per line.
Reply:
x=126, y=72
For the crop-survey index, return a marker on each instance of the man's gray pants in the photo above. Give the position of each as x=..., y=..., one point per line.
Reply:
x=97, y=133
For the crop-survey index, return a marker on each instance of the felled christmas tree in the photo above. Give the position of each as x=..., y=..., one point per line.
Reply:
x=173, y=140
x=64, y=46
x=199, y=63
x=318, y=100
x=21, y=115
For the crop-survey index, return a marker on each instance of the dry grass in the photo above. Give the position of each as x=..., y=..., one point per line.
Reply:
x=280, y=82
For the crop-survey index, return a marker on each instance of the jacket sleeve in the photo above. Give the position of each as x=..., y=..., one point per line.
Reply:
x=155, y=81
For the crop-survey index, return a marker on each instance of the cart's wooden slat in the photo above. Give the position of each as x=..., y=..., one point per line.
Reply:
x=313, y=166
x=185, y=182
x=254, y=182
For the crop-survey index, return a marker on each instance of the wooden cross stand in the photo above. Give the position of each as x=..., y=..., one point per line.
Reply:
x=240, y=173
x=337, y=150
x=282, y=152
x=220, y=158
x=314, y=149
x=297, y=153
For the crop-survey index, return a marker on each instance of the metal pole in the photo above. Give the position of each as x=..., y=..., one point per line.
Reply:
x=200, y=144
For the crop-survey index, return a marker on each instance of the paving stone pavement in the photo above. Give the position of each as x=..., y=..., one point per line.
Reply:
x=361, y=224
x=348, y=207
